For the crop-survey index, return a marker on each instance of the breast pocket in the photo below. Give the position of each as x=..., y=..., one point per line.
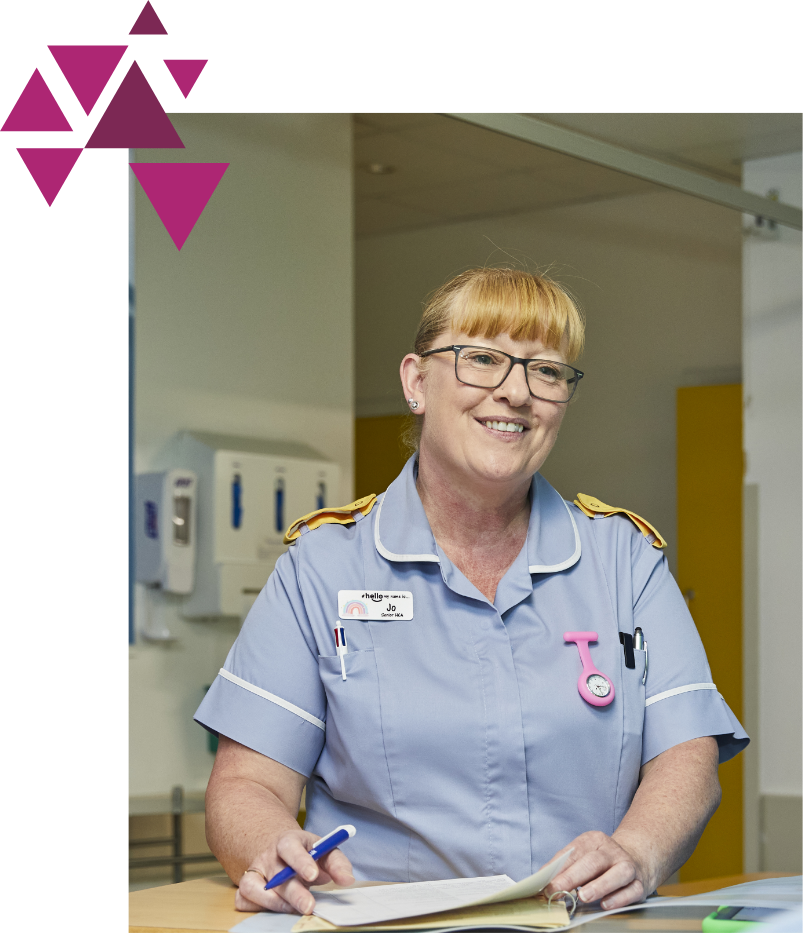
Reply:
x=633, y=697
x=353, y=760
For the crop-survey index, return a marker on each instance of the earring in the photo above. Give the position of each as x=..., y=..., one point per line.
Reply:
x=412, y=403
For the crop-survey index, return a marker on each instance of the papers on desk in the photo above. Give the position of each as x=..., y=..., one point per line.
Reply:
x=356, y=907
x=453, y=904
x=768, y=892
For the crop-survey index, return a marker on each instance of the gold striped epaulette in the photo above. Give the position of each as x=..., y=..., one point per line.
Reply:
x=341, y=516
x=592, y=507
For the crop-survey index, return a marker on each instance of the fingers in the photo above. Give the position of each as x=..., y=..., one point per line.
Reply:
x=291, y=897
x=292, y=850
x=602, y=870
x=337, y=867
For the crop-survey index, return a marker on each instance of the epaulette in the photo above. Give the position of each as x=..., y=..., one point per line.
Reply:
x=341, y=516
x=591, y=507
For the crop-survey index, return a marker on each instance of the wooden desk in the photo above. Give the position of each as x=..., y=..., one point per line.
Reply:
x=207, y=904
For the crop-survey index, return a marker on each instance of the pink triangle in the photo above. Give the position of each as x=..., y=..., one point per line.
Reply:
x=87, y=68
x=185, y=71
x=36, y=109
x=148, y=23
x=179, y=192
x=134, y=119
x=50, y=168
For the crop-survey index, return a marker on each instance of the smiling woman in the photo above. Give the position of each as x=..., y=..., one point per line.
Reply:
x=470, y=737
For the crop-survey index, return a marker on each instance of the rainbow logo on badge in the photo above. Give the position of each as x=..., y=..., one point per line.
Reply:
x=354, y=608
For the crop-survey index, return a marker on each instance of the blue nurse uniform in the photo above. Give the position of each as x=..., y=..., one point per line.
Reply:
x=459, y=744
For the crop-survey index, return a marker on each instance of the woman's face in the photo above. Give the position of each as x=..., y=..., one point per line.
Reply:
x=458, y=433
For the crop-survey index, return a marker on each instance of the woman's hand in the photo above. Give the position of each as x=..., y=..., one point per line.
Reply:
x=292, y=848
x=603, y=870
x=677, y=793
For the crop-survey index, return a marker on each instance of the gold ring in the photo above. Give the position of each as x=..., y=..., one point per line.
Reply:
x=258, y=872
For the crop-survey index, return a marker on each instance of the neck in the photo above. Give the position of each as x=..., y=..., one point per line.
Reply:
x=471, y=515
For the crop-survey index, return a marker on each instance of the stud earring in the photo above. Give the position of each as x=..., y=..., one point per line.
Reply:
x=412, y=403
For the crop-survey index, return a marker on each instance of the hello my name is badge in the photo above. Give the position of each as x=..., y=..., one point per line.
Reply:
x=375, y=605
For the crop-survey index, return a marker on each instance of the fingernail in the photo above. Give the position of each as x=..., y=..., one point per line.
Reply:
x=585, y=895
x=310, y=873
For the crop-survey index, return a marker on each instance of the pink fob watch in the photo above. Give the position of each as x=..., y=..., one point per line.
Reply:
x=595, y=688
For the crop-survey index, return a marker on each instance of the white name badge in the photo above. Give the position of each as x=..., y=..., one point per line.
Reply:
x=377, y=605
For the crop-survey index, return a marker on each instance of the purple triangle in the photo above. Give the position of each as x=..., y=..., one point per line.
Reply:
x=135, y=119
x=87, y=68
x=49, y=168
x=185, y=71
x=36, y=109
x=148, y=23
x=179, y=192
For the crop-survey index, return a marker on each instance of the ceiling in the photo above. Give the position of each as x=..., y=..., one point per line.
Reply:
x=421, y=170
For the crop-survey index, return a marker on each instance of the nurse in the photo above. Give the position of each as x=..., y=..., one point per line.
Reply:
x=496, y=703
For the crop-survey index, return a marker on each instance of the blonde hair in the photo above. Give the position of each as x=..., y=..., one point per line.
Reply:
x=488, y=302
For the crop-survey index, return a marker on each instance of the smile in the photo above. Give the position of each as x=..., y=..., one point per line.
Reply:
x=507, y=426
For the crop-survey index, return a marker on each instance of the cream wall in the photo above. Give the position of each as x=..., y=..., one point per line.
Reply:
x=659, y=278
x=772, y=440
x=248, y=330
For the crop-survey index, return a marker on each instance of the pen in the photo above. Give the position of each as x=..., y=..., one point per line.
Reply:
x=321, y=847
x=640, y=644
x=342, y=648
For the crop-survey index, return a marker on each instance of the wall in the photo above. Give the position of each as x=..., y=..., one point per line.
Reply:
x=248, y=330
x=772, y=442
x=659, y=278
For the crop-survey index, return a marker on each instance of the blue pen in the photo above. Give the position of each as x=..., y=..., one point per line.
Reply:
x=321, y=847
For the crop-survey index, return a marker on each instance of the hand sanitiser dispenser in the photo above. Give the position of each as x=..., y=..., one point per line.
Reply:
x=249, y=490
x=165, y=529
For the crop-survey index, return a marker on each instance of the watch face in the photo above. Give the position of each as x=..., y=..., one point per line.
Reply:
x=598, y=685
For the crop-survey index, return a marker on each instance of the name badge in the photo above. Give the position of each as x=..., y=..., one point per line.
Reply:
x=376, y=605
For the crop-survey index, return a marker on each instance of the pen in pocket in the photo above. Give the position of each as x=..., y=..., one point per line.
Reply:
x=342, y=648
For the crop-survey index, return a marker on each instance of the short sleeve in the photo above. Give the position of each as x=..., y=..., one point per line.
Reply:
x=269, y=695
x=682, y=702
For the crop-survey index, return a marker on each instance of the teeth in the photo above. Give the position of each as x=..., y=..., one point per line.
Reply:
x=504, y=426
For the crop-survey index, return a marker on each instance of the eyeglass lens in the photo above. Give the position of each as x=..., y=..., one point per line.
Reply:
x=483, y=367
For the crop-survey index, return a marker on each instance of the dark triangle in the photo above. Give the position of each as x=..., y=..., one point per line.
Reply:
x=148, y=23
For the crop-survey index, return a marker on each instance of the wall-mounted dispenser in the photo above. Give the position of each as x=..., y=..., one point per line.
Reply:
x=249, y=490
x=165, y=529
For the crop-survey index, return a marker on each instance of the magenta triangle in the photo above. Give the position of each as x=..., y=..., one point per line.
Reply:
x=36, y=109
x=87, y=68
x=179, y=192
x=49, y=168
x=148, y=23
x=134, y=119
x=185, y=71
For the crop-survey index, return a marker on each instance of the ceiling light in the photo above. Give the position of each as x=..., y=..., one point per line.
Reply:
x=378, y=168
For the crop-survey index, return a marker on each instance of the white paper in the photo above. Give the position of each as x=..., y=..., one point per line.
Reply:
x=395, y=901
x=768, y=892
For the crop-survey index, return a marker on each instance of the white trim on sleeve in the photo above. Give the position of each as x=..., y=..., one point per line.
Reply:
x=676, y=690
x=274, y=699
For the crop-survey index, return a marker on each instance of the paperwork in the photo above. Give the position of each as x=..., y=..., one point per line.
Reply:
x=768, y=892
x=531, y=913
x=355, y=907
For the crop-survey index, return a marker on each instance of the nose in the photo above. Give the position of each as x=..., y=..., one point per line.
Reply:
x=514, y=388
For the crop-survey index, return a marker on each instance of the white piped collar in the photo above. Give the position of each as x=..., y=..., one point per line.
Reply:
x=402, y=532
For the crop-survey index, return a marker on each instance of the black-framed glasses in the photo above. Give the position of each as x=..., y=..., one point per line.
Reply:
x=485, y=368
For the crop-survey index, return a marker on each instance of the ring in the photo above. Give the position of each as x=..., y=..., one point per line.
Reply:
x=258, y=872
x=565, y=894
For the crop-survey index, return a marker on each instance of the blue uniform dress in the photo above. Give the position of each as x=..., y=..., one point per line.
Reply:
x=459, y=744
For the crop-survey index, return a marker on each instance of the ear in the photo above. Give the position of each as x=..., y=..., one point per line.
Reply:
x=412, y=380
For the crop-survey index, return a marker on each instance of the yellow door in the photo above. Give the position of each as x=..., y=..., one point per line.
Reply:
x=709, y=548
x=379, y=453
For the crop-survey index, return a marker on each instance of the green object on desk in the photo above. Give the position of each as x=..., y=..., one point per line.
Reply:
x=737, y=919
